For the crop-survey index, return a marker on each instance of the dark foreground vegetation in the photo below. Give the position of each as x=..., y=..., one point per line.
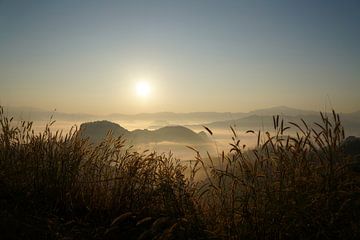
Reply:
x=59, y=186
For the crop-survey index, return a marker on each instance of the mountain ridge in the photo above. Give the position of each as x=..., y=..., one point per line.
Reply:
x=97, y=131
x=41, y=114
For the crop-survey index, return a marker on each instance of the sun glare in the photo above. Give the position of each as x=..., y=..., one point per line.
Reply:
x=142, y=89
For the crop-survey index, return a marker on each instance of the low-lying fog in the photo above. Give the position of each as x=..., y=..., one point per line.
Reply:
x=218, y=142
x=218, y=123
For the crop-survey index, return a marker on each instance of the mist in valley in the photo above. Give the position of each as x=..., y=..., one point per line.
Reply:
x=218, y=123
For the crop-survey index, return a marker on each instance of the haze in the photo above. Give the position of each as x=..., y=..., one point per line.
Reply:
x=88, y=56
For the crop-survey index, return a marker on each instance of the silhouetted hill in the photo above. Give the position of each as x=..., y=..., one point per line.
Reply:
x=96, y=131
x=176, y=134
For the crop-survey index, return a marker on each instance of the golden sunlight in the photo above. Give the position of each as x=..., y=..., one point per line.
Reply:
x=143, y=89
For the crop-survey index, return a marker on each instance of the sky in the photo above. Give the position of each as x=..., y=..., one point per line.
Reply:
x=196, y=55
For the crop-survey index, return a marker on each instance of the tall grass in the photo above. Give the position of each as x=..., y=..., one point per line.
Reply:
x=291, y=186
x=69, y=177
x=295, y=187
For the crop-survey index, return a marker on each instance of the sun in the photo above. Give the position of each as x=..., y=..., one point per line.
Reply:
x=143, y=89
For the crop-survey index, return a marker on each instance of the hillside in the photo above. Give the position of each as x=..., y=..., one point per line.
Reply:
x=96, y=131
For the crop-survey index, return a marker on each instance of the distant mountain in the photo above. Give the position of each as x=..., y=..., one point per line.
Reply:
x=254, y=119
x=37, y=114
x=177, y=117
x=97, y=130
x=40, y=114
x=350, y=122
x=260, y=121
x=282, y=111
x=213, y=116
